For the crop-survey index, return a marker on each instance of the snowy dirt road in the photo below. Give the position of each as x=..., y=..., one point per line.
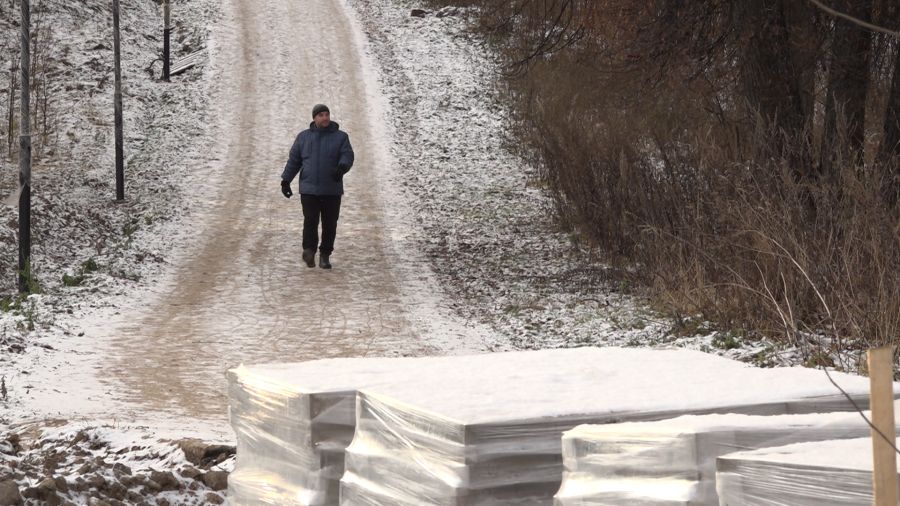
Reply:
x=243, y=295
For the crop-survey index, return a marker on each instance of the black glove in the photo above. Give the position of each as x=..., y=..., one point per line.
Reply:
x=286, y=189
x=341, y=170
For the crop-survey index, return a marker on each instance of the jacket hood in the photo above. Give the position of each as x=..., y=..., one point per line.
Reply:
x=332, y=127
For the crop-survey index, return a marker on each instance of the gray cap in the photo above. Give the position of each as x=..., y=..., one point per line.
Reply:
x=320, y=108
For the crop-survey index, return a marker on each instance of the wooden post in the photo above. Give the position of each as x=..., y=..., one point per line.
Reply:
x=11, y=118
x=120, y=150
x=881, y=378
x=25, y=153
x=167, y=31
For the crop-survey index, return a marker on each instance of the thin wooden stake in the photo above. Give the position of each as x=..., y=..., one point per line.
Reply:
x=25, y=154
x=881, y=378
x=167, y=33
x=117, y=99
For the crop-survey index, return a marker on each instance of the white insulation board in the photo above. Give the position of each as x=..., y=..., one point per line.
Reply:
x=825, y=473
x=673, y=462
x=487, y=429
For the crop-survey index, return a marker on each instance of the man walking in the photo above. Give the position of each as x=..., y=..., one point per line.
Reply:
x=322, y=155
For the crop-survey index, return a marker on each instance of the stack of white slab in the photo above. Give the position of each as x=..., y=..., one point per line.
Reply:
x=673, y=462
x=487, y=429
x=292, y=423
x=827, y=473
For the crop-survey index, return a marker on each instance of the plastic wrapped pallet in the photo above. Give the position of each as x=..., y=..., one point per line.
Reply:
x=673, y=462
x=292, y=423
x=826, y=473
x=487, y=429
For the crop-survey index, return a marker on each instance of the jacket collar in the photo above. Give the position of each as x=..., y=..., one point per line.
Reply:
x=332, y=127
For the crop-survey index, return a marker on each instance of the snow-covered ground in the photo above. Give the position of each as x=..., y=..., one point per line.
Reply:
x=58, y=461
x=457, y=196
x=468, y=221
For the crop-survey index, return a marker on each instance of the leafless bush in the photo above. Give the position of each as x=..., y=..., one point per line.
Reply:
x=714, y=219
x=682, y=140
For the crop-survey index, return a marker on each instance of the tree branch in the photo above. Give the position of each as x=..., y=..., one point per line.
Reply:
x=854, y=20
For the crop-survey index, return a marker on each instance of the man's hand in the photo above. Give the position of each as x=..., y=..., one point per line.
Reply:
x=286, y=189
x=341, y=170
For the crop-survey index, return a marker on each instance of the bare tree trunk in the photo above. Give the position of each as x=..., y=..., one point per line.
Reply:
x=778, y=72
x=805, y=40
x=890, y=145
x=42, y=99
x=889, y=153
x=780, y=62
x=38, y=75
x=848, y=82
x=891, y=142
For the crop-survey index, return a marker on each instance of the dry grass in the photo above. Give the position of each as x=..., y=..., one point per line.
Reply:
x=711, y=217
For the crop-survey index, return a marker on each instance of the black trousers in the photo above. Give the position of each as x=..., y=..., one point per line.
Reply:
x=326, y=207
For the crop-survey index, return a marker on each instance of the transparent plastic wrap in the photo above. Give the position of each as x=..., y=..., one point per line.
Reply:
x=673, y=462
x=256, y=487
x=825, y=473
x=292, y=423
x=487, y=429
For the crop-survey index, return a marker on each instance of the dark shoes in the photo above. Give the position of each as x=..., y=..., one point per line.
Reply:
x=309, y=256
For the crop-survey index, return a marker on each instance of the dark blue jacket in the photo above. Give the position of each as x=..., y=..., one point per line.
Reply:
x=322, y=156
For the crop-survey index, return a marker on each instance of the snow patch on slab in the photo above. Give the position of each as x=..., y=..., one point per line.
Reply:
x=527, y=385
x=855, y=454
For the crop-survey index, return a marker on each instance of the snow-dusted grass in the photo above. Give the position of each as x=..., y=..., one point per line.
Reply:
x=87, y=248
